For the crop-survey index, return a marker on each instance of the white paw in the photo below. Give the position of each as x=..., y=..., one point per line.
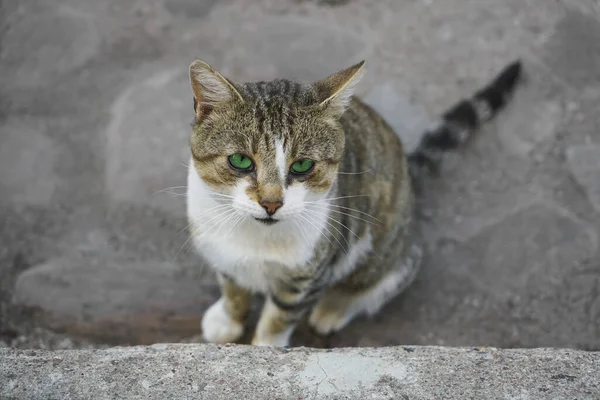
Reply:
x=219, y=327
x=326, y=321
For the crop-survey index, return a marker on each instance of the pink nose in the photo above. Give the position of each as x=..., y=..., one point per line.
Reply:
x=271, y=206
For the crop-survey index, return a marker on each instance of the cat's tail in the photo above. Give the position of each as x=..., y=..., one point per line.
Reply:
x=462, y=120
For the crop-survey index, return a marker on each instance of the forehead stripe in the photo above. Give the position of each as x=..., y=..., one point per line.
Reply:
x=280, y=159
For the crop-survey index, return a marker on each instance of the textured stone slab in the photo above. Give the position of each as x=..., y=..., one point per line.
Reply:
x=190, y=8
x=147, y=146
x=575, y=38
x=27, y=160
x=240, y=372
x=533, y=243
x=115, y=301
x=584, y=162
x=283, y=47
x=49, y=43
x=409, y=120
x=532, y=123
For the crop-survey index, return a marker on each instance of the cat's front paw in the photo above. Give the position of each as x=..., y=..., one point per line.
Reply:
x=219, y=327
x=325, y=320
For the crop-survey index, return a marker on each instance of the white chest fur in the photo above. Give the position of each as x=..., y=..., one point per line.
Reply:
x=242, y=247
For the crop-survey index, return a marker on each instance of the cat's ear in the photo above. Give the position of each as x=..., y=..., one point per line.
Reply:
x=335, y=91
x=211, y=89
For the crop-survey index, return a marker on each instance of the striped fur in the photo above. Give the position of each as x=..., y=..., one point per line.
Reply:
x=343, y=241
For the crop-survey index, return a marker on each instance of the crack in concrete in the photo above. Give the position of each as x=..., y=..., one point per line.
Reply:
x=322, y=380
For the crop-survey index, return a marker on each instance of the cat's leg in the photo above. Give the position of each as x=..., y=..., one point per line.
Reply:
x=339, y=306
x=284, y=308
x=224, y=321
x=349, y=299
x=276, y=324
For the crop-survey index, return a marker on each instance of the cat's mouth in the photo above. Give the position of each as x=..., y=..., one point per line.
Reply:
x=267, y=221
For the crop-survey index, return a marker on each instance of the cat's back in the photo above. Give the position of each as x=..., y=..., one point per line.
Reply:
x=370, y=140
x=373, y=154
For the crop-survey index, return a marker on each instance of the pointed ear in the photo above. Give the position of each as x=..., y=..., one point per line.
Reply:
x=210, y=88
x=335, y=91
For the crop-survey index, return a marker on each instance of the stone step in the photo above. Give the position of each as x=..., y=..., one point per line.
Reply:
x=241, y=372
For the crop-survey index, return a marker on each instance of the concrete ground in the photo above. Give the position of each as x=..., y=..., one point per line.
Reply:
x=94, y=122
x=197, y=371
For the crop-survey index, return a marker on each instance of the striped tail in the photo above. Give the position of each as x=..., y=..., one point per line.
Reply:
x=461, y=121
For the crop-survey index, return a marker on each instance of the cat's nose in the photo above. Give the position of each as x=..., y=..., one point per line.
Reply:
x=271, y=206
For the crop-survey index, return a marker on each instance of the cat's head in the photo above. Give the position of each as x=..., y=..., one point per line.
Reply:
x=269, y=147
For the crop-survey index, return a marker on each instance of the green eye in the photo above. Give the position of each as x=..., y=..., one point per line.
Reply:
x=302, y=166
x=240, y=162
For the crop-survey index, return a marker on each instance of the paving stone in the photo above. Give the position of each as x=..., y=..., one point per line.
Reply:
x=463, y=226
x=190, y=8
x=584, y=162
x=409, y=120
x=520, y=271
x=532, y=247
x=536, y=122
x=114, y=301
x=47, y=44
x=27, y=160
x=436, y=46
x=284, y=47
x=575, y=38
x=147, y=146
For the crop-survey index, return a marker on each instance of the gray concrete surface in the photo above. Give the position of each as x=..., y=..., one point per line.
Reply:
x=242, y=372
x=94, y=121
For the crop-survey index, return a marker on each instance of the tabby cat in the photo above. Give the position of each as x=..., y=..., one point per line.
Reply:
x=303, y=193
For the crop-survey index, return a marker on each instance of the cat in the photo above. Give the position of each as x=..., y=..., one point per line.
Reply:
x=303, y=193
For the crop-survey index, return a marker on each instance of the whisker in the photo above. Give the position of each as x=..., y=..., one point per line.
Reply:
x=224, y=217
x=166, y=190
x=349, y=230
x=226, y=213
x=198, y=217
x=193, y=234
x=239, y=220
x=242, y=219
x=338, y=198
x=353, y=209
x=305, y=218
x=353, y=216
x=177, y=194
x=208, y=198
x=223, y=221
x=355, y=173
x=186, y=242
x=302, y=232
x=336, y=221
x=341, y=234
x=221, y=195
